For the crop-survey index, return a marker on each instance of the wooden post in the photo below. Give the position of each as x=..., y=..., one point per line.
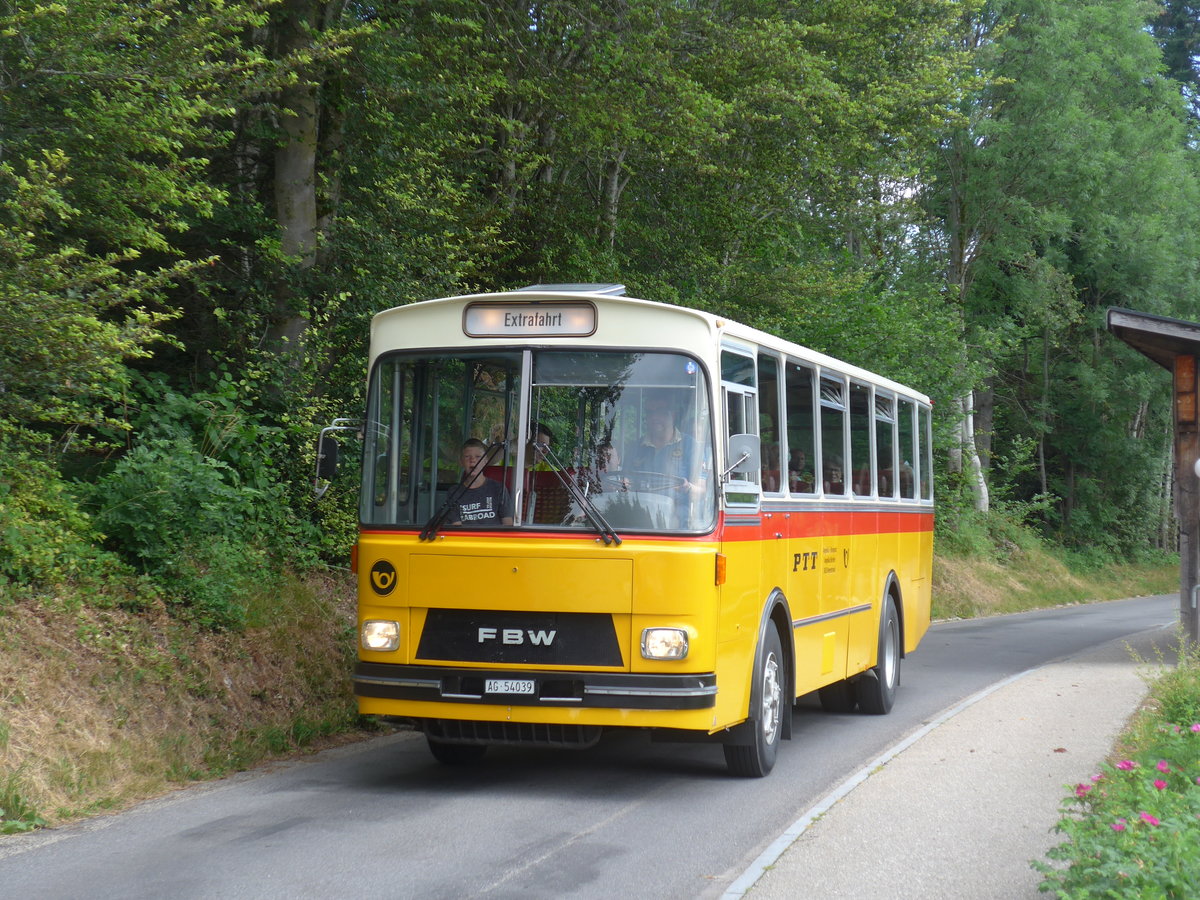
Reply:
x=1187, y=493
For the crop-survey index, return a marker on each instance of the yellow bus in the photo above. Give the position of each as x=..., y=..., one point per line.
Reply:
x=581, y=511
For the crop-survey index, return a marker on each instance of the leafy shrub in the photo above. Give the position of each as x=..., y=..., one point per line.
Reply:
x=999, y=534
x=187, y=521
x=199, y=505
x=46, y=537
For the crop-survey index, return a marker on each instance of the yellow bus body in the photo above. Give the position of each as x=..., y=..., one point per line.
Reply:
x=823, y=567
x=833, y=583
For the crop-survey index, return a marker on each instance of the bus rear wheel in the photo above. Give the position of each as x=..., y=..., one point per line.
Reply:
x=757, y=757
x=456, y=754
x=877, y=688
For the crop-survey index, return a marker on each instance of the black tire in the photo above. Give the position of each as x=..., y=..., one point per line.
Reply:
x=757, y=758
x=877, y=688
x=839, y=697
x=456, y=754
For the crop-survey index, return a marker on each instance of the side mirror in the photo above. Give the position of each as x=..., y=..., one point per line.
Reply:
x=328, y=451
x=744, y=455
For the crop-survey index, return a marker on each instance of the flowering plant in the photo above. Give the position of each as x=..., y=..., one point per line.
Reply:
x=1132, y=829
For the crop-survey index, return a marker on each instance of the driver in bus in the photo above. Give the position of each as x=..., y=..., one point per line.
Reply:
x=483, y=501
x=668, y=451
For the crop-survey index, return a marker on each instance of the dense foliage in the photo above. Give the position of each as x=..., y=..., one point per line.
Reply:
x=202, y=204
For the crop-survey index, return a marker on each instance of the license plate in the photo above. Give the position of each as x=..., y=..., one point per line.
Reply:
x=508, y=686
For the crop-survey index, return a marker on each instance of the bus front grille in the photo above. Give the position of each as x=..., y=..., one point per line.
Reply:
x=547, y=735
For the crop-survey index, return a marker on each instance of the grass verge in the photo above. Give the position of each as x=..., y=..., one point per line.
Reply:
x=103, y=707
x=966, y=587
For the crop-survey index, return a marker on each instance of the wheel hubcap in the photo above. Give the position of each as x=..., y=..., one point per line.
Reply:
x=890, y=654
x=772, y=698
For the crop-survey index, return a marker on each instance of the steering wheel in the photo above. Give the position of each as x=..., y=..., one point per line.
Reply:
x=614, y=481
x=652, y=482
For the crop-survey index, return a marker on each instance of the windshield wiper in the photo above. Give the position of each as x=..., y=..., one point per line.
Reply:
x=429, y=532
x=589, y=508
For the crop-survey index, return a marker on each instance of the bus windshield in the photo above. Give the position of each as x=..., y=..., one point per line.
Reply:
x=543, y=439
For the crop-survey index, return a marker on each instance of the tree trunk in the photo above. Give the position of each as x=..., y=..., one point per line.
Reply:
x=610, y=196
x=295, y=184
x=969, y=449
x=958, y=273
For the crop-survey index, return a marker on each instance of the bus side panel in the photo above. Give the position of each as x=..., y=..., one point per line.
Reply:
x=817, y=590
x=918, y=592
x=867, y=549
x=741, y=613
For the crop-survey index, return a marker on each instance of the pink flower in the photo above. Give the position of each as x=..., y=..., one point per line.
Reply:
x=1099, y=776
x=1160, y=784
x=1126, y=764
x=1162, y=766
x=1196, y=726
x=1082, y=789
x=1118, y=825
x=1149, y=819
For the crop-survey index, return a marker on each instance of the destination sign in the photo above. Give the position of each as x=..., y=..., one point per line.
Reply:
x=529, y=319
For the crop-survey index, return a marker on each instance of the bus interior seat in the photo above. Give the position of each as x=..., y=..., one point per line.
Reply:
x=547, y=501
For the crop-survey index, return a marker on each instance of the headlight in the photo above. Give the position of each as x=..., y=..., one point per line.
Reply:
x=664, y=643
x=380, y=634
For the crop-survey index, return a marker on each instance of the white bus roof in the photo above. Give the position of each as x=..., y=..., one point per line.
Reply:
x=425, y=324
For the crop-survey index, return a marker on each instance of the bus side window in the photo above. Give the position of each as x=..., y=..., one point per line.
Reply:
x=908, y=449
x=768, y=419
x=860, y=438
x=885, y=443
x=801, y=428
x=833, y=434
x=925, y=439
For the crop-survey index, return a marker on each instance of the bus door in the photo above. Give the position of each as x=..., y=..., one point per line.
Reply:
x=825, y=632
x=742, y=544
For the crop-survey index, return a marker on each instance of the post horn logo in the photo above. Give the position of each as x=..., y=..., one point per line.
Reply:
x=383, y=578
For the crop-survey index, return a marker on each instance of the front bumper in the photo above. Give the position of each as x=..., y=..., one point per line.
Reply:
x=594, y=690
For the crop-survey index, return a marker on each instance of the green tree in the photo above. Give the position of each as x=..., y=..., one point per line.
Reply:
x=1065, y=194
x=1177, y=29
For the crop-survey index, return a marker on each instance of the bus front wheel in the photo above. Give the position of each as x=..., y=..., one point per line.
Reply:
x=877, y=687
x=756, y=757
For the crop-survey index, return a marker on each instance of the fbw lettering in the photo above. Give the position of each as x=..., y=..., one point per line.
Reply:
x=516, y=636
x=804, y=561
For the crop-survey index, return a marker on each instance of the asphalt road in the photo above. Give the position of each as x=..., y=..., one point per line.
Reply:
x=381, y=819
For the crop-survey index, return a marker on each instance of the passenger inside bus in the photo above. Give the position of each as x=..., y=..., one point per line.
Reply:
x=834, y=479
x=481, y=500
x=547, y=501
x=770, y=475
x=535, y=451
x=799, y=474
